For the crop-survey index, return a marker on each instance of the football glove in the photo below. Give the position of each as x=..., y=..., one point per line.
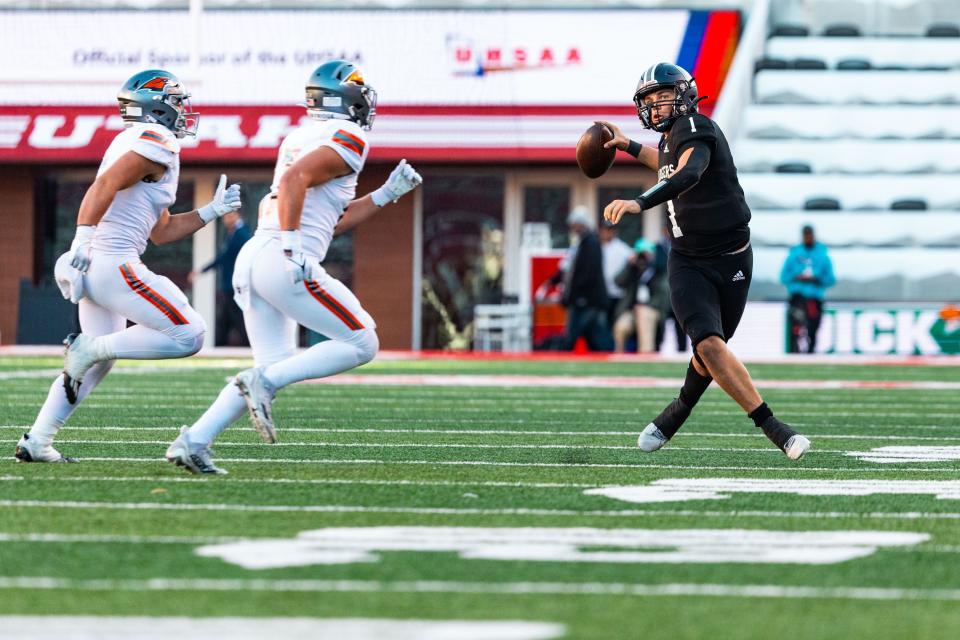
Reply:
x=298, y=266
x=403, y=179
x=80, y=248
x=225, y=200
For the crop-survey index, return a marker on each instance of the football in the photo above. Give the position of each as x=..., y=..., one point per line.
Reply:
x=593, y=159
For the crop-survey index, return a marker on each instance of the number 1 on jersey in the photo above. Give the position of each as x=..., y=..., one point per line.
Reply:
x=693, y=126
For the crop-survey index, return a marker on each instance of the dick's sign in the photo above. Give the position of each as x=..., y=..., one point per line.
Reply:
x=918, y=330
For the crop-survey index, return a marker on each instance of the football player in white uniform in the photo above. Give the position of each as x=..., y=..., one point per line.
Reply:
x=278, y=280
x=102, y=272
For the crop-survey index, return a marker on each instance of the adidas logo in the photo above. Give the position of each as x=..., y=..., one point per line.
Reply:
x=738, y=276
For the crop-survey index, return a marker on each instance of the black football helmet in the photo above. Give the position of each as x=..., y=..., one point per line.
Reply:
x=336, y=89
x=664, y=75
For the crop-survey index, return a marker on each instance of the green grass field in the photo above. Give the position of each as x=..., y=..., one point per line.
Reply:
x=118, y=534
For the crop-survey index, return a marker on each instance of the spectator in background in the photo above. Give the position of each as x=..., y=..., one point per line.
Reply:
x=637, y=313
x=229, y=316
x=584, y=290
x=807, y=274
x=666, y=309
x=616, y=253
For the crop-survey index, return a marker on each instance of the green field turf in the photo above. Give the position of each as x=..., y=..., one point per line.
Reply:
x=118, y=533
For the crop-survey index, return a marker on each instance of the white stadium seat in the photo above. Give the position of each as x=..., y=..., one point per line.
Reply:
x=910, y=52
x=872, y=17
x=782, y=191
x=851, y=156
x=853, y=87
x=864, y=229
x=868, y=263
x=834, y=121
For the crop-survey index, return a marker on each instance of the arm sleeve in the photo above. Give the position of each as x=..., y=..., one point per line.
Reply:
x=685, y=178
x=788, y=272
x=827, y=279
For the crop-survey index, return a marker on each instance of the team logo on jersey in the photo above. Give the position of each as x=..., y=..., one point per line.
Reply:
x=157, y=84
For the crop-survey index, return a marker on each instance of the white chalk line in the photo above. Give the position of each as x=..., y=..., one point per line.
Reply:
x=560, y=465
x=515, y=432
x=306, y=481
x=439, y=445
x=510, y=588
x=458, y=511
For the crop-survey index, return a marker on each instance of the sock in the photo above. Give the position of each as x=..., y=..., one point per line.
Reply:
x=56, y=409
x=694, y=386
x=760, y=414
x=228, y=406
x=319, y=361
x=672, y=418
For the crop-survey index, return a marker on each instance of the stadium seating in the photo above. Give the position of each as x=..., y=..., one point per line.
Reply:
x=854, y=128
x=831, y=122
x=879, y=52
x=851, y=156
x=857, y=87
x=781, y=191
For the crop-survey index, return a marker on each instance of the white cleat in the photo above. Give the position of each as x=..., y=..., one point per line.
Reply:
x=29, y=451
x=796, y=446
x=194, y=457
x=79, y=356
x=259, y=394
x=651, y=439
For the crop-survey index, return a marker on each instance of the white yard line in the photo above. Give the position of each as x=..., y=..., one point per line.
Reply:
x=533, y=381
x=440, y=445
x=518, y=432
x=565, y=513
x=560, y=465
x=307, y=481
x=514, y=588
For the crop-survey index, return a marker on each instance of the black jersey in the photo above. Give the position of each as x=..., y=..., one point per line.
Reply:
x=711, y=217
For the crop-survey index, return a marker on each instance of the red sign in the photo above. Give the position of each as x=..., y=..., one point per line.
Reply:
x=251, y=134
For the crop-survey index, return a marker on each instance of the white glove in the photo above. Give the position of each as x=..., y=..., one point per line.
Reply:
x=69, y=280
x=80, y=248
x=225, y=200
x=403, y=179
x=298, y=266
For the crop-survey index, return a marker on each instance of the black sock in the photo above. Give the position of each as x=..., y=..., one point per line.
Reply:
x=760, y=414
x=672, y=418
x=694, y=385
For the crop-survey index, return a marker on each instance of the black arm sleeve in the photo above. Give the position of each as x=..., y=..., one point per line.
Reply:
x=685, y=178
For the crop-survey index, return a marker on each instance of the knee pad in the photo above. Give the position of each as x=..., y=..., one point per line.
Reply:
x=189, y=336
x=367, y=344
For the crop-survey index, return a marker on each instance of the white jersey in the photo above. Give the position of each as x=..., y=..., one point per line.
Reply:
x=126, y=226
x=323, y=205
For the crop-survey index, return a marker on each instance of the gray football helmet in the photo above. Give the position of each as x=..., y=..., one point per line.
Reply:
x=157, y=96
x=664, y=75
x=336, y=89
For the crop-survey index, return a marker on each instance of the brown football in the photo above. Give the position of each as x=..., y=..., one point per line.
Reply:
x=593, y=159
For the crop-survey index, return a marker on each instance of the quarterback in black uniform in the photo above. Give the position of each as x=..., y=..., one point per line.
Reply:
x=711, y=262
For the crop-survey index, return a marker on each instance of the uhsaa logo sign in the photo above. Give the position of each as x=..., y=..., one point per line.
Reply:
x=879, y=331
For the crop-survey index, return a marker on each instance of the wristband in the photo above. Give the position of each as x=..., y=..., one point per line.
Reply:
x=633, y=148
x=290, y=241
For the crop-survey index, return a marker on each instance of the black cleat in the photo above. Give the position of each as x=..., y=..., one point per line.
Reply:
x=787, y=440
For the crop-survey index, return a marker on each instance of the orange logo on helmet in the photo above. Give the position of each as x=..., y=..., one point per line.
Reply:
x=157, y=83
x=356, y=76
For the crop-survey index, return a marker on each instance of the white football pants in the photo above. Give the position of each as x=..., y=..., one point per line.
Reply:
x=117, y=289
x=272, y=308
